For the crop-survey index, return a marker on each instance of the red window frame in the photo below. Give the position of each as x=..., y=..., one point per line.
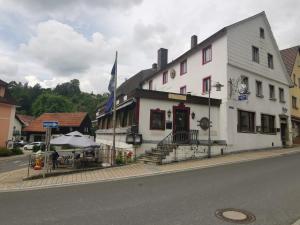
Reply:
x=182, y=71
x=163, y=122
x=150, y=84
x=183, y=90
x=165, y=77
x=204, y=54
x=204, y=85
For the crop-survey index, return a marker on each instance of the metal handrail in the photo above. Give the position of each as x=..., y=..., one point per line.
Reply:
x=180, y=137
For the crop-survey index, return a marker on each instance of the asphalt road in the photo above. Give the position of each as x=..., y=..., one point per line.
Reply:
x=269, y=188
x=13, y=163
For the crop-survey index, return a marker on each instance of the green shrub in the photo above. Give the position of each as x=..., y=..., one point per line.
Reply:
x=36, y=148
x=8, y=152
x=5, y=152
x=17, y=151
x=119, y=159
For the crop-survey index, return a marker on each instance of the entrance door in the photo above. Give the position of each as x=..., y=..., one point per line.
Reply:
x=181, y=121
x=283, y=133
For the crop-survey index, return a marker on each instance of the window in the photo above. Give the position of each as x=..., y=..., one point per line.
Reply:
x=165, y=77
x=299, y=82
x=259, y=89
x=246, y=121
x=206, y=84
x=157, y=119
x=272, y=92
x=270, y=61
x=294, y=102
x=183, y=90
x=183, y=67
x=262, y=33
x=294, y=79
x=206, y=55
x=150, y=84
x=281, y=95
x=268, y=124
x=255, y=54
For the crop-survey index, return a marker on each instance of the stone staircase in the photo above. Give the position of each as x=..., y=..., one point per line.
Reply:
x=159, y=153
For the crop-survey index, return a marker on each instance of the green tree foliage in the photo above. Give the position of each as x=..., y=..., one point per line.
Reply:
x=51, y=103
x=64, y=97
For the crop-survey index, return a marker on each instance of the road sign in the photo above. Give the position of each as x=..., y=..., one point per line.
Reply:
x=243, y=97
x=50, y=124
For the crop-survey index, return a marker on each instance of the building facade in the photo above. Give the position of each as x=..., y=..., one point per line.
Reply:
x=7, y=114
x=254, y=108
x=291, y=58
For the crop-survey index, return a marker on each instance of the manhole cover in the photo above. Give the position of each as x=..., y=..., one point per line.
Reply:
x=235, y=216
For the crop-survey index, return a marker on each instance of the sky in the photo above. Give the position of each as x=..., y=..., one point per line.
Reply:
x=53, y=41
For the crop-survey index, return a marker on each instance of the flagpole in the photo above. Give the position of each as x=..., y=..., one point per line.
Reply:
x=114, y=111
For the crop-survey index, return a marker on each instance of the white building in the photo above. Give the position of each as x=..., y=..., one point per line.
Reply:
x=254, y=110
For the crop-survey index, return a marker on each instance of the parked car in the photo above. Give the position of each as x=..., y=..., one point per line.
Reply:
x=20, y=143
x=31, y=145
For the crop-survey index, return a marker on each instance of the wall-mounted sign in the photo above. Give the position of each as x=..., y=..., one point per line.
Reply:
x=172, y=73
x=243, y=97
x=204, y=123
x=50, y=124
x=177, y=97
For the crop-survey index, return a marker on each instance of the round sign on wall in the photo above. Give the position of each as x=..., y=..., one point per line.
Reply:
x=204, y=123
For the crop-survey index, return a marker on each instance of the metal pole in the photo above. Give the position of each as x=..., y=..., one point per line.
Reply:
x=209, y=138
x=114, y=112
x=48, y=135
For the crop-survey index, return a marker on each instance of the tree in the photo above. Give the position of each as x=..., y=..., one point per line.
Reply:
x=51, y=103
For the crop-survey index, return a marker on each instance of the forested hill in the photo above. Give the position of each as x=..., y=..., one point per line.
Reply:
x=65, y=97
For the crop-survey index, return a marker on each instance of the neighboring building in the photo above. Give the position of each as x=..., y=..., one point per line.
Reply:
x=7, y=114
x=20, y=122
x=68, y=122
x=253, y=107
x=291, y=58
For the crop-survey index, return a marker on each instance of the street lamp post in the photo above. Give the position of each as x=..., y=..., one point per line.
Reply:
x=218, y=88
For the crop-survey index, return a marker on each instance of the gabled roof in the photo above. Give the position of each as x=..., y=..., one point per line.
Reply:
x=63, y=119
x=205, y=43
x=134, y=81
x=289, y=57
x=25, y=119
x=7, y=98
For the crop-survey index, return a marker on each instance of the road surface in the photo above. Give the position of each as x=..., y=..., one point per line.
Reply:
x=269, y=188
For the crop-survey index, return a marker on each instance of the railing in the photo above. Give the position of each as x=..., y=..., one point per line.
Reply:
x=180, y=137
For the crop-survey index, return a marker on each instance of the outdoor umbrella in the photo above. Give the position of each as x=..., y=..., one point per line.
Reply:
x=74, y=139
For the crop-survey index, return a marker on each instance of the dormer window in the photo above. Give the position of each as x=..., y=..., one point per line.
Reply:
x=165, y=77
x=150, y=84
x=262, y=33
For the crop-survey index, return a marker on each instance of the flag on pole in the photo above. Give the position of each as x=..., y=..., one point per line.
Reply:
x=111, y=87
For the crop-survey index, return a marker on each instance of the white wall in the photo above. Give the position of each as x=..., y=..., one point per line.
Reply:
x=157, y=135
x=196, y=72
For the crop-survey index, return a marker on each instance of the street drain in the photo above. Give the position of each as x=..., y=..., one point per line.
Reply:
x=235, y=216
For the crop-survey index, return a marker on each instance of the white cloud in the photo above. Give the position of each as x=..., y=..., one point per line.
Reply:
x=59, y=40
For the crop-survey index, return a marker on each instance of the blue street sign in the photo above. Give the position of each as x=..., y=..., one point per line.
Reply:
x=50, y=124
x=243, y=97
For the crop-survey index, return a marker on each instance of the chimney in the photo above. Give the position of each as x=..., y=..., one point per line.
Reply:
x=162, y=58
x=154, y=66
x=194, y=41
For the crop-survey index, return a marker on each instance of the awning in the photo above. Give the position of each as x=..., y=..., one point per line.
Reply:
x=120, y=106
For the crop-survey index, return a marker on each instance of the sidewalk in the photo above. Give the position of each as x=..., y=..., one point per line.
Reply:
x=13, y=180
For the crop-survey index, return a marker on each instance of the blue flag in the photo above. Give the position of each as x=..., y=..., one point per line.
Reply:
x=111, y=87
x=109, y=104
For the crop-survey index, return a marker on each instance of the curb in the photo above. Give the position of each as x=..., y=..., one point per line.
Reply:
x=297, y=222
x=147, y=175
